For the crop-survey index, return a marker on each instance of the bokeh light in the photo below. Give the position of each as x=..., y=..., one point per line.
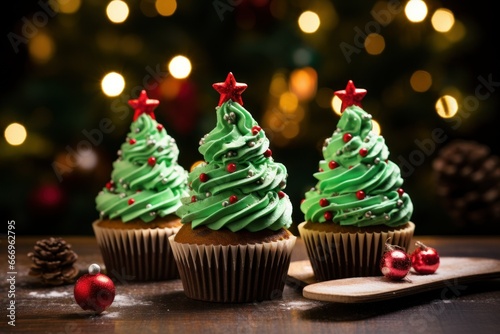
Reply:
x=336, y=104
x=446, y=106
x=166, y=7
x=416, y=11
x=376, y=129
x=117, y=11
x=113, y=84
x=41, y=48
x=374, y=44
x=309, y=22
x=442, y=20
x=179, y=67
x=65, y=6
x=15, y=134
x=303, y=83
x=421, y=81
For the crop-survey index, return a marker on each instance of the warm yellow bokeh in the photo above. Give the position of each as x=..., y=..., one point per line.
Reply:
x=117, y=11
x=421, y=81
x=179, y=67
x=113, y=84
x=15, y=134
x=446, y=106
x=309, y=22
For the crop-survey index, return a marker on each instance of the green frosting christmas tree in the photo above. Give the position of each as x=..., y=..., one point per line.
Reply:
x=239, y=186
x=357, y=184
x=146, y=180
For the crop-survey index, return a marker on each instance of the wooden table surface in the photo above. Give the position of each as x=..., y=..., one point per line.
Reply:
x=162, y=307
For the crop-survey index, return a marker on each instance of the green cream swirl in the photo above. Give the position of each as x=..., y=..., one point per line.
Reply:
x=247, y=197
x=345, y=171
x=139, y=187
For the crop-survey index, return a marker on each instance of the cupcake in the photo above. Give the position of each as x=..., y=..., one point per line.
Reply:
x=357, y=204
x=137, y=206
x=234, y=245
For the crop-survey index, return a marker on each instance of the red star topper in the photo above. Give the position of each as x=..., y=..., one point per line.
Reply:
x=143, y=105
x=350, y=96
x=230, y=90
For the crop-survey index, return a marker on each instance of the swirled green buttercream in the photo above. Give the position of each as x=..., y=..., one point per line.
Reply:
x=239, y=185
x=356, y=183
x=146, y=180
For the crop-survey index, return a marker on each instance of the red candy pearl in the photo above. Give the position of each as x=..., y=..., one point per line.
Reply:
x=203, y=177
x=360, y=194
x=333, y=164
x=400, y=191
x=131, y=201
x=231, y=168
x=395, y=263
x=110, y=185
x=323, y=202
x=268, y=153
x=193, y=199
x=233, y=199
x=424, y=260
x=159, y=127
x=94, y=291
x=363, y=152
x=256, y=129
x=152, y=161
x=328, y=215
x=281, y=194
x=132, y=141
x=347, y=137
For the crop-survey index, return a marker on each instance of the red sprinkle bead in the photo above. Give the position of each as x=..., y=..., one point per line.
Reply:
x=302, y=200
x=268, y=153
x=320, y=170
x=328, y=215
x=323, y=202
x=159, y=127
x=233, y=199
x=360, y=194
x=363, y=152
x=132, y=141
x=400, y=191
x=152, y=161
x=333, y=164
x=256, y=129
x=193, y=199
x=231, y=167
x=281, y=194
x=131, y=201
x=347, y=137
x=110, y=185
x=203, y=177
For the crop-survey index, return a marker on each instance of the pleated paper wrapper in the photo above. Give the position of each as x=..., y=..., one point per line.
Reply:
x=234, y=273
x=342, y=255
x=137, y=254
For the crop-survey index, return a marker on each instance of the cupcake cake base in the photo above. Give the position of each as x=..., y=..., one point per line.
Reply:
x=234, y=273
x=340, y=252
x=137, y=251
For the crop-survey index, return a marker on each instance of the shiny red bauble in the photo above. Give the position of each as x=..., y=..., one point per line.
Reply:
x=424, y=260
x=94, y=291
x=395, y=263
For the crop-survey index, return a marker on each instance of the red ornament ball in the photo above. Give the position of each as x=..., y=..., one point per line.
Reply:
x=203, y=177
x=395, y=263
x=152, y=161
x=94, y=291
x=231, y=167
x=424, y=260
x=333, y=164
x=346, y=137
x=360, y=194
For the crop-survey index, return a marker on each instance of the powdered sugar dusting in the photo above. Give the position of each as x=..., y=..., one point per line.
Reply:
x=51, y=294
x=122, y=300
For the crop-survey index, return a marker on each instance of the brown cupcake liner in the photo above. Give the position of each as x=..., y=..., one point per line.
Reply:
x=234, y=273
x=137, y=254
x=335, y=255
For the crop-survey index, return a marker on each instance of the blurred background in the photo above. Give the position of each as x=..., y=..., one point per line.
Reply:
x=70, y=66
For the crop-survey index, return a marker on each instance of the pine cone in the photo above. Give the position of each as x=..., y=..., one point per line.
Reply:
x=53, y=261
x=468, y=182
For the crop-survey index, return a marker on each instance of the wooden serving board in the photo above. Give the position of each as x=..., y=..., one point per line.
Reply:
x=452, y=271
